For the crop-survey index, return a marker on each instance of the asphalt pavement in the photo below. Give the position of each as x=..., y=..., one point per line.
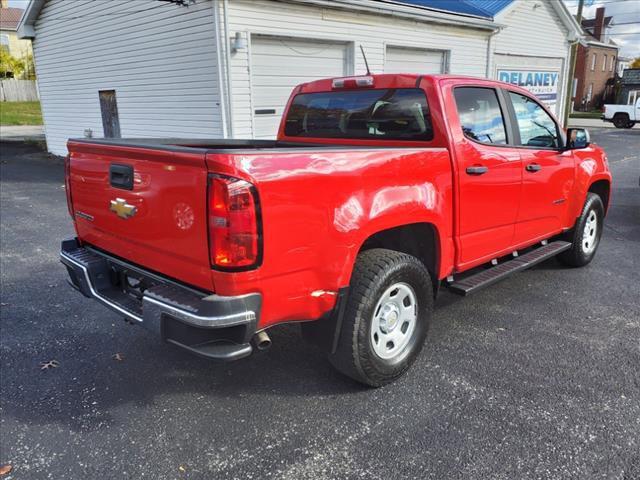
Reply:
x=536, y=377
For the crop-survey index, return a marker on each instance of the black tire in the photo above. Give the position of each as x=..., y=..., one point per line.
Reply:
x=630, y=125
x=577, y=255
x=621, y=120
x=376, y=271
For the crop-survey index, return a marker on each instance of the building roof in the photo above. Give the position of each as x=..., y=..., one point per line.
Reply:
x=10, y=18
x=478, y=8
x=590, y=23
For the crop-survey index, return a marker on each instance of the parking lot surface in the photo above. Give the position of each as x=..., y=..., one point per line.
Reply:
x=535, y=377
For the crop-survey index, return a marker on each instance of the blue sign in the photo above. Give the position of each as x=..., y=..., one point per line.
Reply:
x=542, y=83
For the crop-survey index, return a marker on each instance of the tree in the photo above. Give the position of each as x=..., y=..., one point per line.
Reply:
x=635, y=63
x=28, y=68
x=10, y=66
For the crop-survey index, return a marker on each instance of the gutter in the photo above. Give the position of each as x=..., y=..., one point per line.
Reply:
x=26, y=26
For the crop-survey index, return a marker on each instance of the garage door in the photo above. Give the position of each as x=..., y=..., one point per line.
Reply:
x=278, y=64
x=413, y=60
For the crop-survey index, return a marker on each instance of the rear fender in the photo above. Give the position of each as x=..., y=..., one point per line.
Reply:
x=400, y=215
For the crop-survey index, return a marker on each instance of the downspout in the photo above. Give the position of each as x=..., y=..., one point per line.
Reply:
x=490, y=52
x=221, y=88
x=567, y=99
x=227, y=49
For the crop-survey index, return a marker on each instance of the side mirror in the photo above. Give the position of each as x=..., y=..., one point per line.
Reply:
x=578, y=138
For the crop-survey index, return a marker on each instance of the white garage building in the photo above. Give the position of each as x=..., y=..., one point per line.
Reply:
x=212, y=68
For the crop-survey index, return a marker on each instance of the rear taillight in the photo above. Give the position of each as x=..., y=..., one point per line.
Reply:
x=67, y=184
x=235, y=239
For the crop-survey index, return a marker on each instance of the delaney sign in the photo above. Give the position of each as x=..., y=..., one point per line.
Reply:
x=543, y=84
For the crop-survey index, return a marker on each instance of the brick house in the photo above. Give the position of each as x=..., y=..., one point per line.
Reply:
x=595, y=64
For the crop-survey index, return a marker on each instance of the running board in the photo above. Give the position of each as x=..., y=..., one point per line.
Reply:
x=492, y=275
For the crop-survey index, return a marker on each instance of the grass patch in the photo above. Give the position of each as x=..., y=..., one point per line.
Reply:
x=20, y=113
x=586, y=115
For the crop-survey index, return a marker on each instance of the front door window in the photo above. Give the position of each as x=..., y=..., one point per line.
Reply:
x=537, y=128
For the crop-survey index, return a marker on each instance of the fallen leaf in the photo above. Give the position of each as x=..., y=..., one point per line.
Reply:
x=2, y=304
x=119, y=357
x=182, y=469
x=5, y=469
x=49, y=364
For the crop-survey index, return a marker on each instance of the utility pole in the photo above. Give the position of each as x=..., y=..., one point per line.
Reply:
x=572, y=68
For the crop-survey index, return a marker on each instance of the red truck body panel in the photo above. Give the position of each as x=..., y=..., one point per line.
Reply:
x=169, y=194
x=318, y=211
x=321, y=202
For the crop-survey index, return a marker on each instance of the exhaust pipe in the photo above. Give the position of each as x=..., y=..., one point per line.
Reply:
x=261, y=340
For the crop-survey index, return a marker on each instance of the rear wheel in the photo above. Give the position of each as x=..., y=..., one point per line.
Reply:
x=585, y=237
x=387, y=317
x=630, y=125
x=621, y=120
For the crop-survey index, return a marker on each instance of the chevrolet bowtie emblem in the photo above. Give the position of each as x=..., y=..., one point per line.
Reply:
x=120, y=207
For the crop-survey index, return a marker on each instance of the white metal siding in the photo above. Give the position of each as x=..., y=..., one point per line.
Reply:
x=531, y=28
x=413, y=60
x=534, y=37
x=468, y=46
x=159, y=57
x=278, y=64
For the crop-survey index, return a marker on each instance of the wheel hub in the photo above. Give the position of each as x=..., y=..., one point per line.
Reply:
x=394, y=321
x=389, y=317
x=590, y=233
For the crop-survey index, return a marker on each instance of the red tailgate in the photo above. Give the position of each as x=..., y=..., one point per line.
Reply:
x=159, y=222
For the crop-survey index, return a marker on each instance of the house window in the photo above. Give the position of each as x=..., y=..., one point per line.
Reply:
x=4, y=42
x=593, y=62
x=604, y=63
x=589, y=92
x=611, y=63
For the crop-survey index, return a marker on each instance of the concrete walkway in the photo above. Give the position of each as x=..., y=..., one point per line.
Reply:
x=20, y=133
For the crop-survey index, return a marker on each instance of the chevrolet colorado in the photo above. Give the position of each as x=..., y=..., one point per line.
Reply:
x=378, y=190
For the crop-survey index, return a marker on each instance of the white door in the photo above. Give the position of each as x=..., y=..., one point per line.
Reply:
x=278, y=64
x=413, y=60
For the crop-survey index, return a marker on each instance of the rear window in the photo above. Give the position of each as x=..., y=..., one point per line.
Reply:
x=389, y=114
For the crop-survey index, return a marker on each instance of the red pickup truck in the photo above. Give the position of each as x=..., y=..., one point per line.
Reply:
x=378, y=190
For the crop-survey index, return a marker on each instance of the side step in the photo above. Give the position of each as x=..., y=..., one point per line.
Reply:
x=492, y=275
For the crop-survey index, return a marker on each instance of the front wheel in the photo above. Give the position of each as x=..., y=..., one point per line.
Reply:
x=586, y=234
x=386, y=319
x=620, y=120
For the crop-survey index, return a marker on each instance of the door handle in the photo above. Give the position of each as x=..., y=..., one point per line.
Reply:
x=533, y=167
x=477, y=170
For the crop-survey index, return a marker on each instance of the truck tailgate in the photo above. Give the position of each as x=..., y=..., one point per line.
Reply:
x=147, y=206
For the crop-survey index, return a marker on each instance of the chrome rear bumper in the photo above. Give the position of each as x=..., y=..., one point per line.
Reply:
x=206, y=324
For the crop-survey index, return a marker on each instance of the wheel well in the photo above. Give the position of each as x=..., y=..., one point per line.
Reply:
x=418, y=239
x=602, y=189
x=621, y=114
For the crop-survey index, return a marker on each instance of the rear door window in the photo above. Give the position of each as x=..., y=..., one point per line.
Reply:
x=382, y=114
x=537, y=128
x=480, y=115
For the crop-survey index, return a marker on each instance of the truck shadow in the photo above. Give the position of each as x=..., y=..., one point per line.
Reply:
x=90, y=383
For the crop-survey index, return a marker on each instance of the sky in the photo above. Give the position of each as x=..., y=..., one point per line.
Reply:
x=625, y=12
